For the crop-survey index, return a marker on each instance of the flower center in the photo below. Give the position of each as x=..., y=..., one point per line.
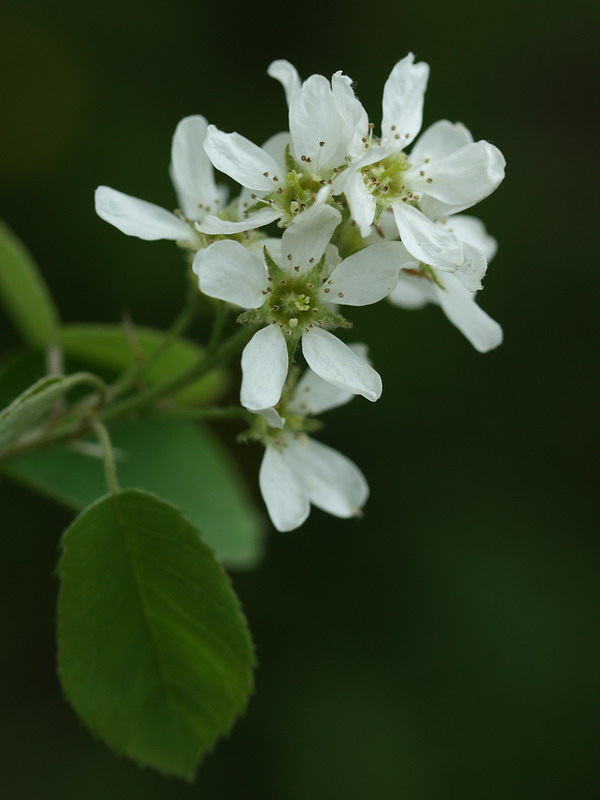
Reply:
x=291, y=302
x=384, y=179
x=297, y=189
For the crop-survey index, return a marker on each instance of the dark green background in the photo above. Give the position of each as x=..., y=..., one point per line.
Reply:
x=445, y=646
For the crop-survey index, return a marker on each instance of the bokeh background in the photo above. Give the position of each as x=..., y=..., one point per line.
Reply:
x=446, y=645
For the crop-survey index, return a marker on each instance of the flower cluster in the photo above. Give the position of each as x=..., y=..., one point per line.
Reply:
x=359, y=219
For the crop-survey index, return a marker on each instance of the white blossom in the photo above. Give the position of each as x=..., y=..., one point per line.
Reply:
x=446, y=171
x=291, y=291
x=288, y=172
x=298, y=471
x=419, y=284
x=193, y=179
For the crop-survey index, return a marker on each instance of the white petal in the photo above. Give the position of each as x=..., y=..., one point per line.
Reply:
x=136, y=217
x=425, y=240
x=403, y=96
x=227, y=271
x=461, y=309
x=276, y=145
x=272, y=416
x=472, y=230
x=360, y=201
x=461, y=179
x=216, y=225
x=440, y=139
x=352, y=113
x=264, y=369
x=335, y=362
x=287, y=75
x=332, y=482
x=313, y=395
x=313, y=119
x=412, y=292
x=286, y=502
x=473, y=269
x=191, y=170
x=242, y=160
x=367, y=276
x=307, y=237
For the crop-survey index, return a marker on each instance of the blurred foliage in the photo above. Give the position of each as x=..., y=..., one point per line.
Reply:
x=445, y=646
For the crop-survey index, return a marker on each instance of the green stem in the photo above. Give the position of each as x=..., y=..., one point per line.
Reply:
x=229, y=412
x=208, y=362
x=218, y=326
x=110, y=469
x=179, y=326
x=205, y=364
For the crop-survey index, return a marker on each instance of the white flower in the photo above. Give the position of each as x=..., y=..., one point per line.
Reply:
x=446, y=171
x=297, y=470
x=193, y=179
x=454, y=292
x=286, y=174
x=292, y=290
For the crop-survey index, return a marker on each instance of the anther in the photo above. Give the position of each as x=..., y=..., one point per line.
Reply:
x=371, y=125
x=326, y=291
x=310, y=260
x=396, y=136
x=266, y=174
x=289, y=256
x=269, y=289
x=429, y=180
x=426, y=160
x=282, y=283
x=302, y=158
x=330, y=282
x=297, y=268
x=340, y=294
x=309, y=286
x=393, y=127
x=275, y=178
x=269, y=278
x=292, y=322
x=421, y=173
x=275, y=308
x=321, y=144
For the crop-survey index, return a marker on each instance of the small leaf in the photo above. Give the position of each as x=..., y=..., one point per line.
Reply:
x=30, y=407
x=176, y=458
x=107, y=347
x=154, y=652
x=24, y=292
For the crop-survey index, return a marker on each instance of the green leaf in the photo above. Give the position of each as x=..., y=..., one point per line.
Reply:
x=176, y=458
x=36, y=402
x=154, y=651
x=24, y=292
x=107, y=347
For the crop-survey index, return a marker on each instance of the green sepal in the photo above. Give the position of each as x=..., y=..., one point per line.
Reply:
x=290, y=162
x=33, y=405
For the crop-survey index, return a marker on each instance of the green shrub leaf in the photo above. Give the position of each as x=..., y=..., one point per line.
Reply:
x=176, y=458
x=154, y=652
x=24, y=292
